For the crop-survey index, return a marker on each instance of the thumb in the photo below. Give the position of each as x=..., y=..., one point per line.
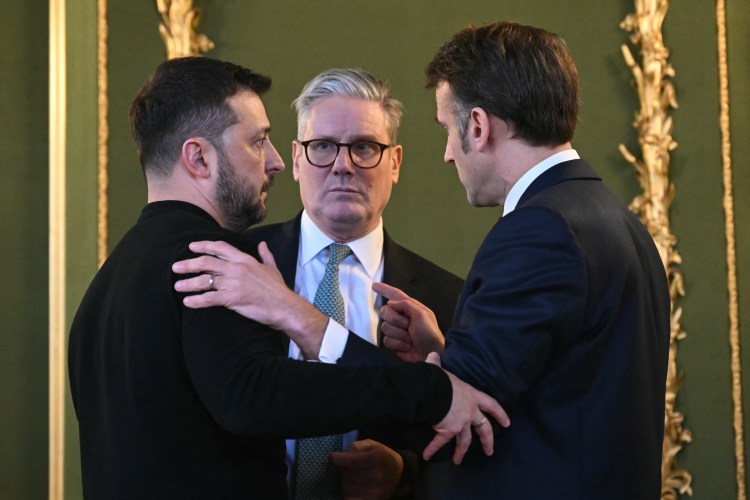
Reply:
x=358, y=446
x=341, y=459
x=433, y=358
x=265, y=255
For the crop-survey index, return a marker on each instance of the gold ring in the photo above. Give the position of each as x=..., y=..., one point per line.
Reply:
x=481, y=422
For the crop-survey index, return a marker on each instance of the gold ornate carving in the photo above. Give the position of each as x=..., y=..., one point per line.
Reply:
x=734, y=329
x=102, y=133
x=654, y=125
x=178, y=29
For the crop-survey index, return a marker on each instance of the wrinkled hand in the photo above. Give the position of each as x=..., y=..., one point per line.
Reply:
x=369, y=470
x=467, y=412
x=252, y=288
x=410, y=328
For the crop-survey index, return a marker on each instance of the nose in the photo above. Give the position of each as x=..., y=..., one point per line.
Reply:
x=448, y=155
x=274, y=163
x=343, y=164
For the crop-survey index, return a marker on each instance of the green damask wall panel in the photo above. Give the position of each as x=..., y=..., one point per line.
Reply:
x=135, y=49
x=698, y=222
x=23, y=225
x=81, y=170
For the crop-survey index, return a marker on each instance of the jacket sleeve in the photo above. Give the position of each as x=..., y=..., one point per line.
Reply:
x=241, y=373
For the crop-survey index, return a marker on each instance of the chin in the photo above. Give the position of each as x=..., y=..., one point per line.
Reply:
x=344, y=211
x=476, y=201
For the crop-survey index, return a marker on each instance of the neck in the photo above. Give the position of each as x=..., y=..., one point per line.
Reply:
x=524, y=158
x=174, y=188
x=345, y=232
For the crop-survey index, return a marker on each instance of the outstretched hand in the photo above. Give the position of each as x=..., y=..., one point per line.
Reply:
x=233, y=279
x=409, y=327
x=230, y=278
x=467, y=412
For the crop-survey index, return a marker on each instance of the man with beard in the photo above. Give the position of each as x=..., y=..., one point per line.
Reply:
x=178, y=403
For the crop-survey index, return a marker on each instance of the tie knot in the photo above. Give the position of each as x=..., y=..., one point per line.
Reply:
x=338, y=252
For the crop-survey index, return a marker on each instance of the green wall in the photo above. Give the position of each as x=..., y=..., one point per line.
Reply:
x=81, y=189
x=697, y=220
x=23, y=246
x=292, y=41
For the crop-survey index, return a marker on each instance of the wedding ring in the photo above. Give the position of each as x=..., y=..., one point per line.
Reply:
x=210, y=281
x=481, y=422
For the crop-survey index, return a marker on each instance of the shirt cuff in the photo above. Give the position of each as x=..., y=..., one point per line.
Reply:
x=334, y=343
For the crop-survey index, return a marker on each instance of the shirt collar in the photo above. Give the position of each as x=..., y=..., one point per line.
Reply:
x=530, y=176
x=368, y=249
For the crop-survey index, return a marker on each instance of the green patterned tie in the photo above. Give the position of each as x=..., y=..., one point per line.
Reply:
x=317, y=478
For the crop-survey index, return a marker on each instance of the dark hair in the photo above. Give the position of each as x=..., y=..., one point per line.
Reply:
x=521, y=74
x=186, y=97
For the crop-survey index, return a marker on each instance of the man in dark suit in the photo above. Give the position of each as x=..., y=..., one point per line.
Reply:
x=343, y=114
x=174, y=402
x=564, y=317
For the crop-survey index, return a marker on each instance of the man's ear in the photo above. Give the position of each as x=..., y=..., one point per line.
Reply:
x=297, y=152
x=397, y=155
x=198, y=157
x=479, y=128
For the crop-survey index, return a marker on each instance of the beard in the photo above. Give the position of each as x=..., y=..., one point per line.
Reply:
x=236, y=197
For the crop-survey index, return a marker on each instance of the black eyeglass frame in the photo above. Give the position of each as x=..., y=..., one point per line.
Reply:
x=348, y=145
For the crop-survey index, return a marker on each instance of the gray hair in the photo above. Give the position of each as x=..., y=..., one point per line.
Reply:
x=349, y=83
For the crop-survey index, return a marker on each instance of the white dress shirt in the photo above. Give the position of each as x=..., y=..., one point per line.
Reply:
x=357, y=272
x=530, y=176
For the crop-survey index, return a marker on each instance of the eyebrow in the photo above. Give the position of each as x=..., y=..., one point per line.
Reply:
x=263, y=132
x=356, y=138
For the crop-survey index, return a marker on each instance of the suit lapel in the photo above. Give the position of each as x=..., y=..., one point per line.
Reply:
x=397, y=270
x=283, y=241
x=284, y=244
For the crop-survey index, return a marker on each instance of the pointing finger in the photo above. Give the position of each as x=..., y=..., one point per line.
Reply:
x=388, y=291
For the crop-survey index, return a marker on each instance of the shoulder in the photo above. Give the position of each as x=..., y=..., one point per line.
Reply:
x=528, y=234
x=419, y=263
x=418, y=276
x=261, y=233
x=278, y=235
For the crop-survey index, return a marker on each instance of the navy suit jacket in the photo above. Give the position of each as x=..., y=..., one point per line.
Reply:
x=565, y=320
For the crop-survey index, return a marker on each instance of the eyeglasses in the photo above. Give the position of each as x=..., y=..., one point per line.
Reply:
x=364, y=154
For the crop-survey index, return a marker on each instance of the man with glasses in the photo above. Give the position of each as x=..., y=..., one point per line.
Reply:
x=346, y=161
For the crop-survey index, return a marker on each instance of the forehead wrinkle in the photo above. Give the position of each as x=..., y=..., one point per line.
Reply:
x=346, y=120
